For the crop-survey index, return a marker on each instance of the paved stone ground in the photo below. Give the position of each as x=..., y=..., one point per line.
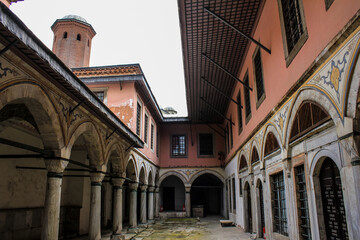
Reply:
x=189, y=229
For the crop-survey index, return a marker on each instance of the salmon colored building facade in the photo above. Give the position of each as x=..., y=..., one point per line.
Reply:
x=271, y=141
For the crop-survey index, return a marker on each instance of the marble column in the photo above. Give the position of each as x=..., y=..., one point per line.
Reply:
x=157, y=201
x=151, y=203
x=50, y=229
x=143, y=204
x=187, y=201
x=117, y=210
x=133, y=203
x=95, y=206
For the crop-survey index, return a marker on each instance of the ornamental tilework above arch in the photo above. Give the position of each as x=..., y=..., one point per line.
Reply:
x=331, y=79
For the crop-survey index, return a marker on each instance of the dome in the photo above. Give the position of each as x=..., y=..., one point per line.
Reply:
x=76, y=17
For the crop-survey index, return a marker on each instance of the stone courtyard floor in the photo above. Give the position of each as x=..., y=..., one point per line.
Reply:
x=188, y=229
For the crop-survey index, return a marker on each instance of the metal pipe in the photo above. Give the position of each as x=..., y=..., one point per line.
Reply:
x=12, y=156
x=217, y=111
x=229, y=73
x=237, y=30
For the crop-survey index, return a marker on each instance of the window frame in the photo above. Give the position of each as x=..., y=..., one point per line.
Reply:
x=289, y=56
x=146, y=128
x=152, y=132
x=103, y=89
x=258, y=99
x=198, y=145
x=239, y=113
x=171, y=146
x=246, y=90
x=277, y=204
x=138, y=125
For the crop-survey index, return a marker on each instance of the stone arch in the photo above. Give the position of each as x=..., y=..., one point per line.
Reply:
x=353, y=83
x=247, y=207
x=255, y=147
x=260, y=209
x=309, y=94
x=42, y=108
x=150, y=177
x=174, y=173
x=143, y=174
x=199, y=173
x=113, y=156
x=270, y=128
x=242, y=162
x=131, y=169
x=92, y=140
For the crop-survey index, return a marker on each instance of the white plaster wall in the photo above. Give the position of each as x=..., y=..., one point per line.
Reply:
x=231, y=169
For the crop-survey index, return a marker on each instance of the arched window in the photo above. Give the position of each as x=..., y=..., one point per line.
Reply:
x=308, y=117
x=243, y=163
x=254, y=156
x=65, y=35
x=271, y=144
x=78, y=37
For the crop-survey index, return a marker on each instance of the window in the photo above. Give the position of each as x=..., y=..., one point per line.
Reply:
x=138, y=118
x=308, y=117
x=206, y=144
x=100, y=95
x=231, y=134
x=258, y=77
x=157, y=142
x=65, y=35
x=152, y=137
x=278, y=204
x=146, y=128
x=178, y=146
x=293, y=27
x=271, y=144
x=78, y=37
x=233, y=193
x=302, y=204
x=243, y=163
x=328, y=3
x=226, y=139
x=247, y=99
x=240, y=187
x=254, y=156
x=238, y=99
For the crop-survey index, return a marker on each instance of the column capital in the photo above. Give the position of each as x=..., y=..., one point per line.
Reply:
x=143, y=188
x=96, y=177
x=187, y=189
x=117, y=182
x=55, y=165
x=157, y=189
x=133, y=186
x=151, y=189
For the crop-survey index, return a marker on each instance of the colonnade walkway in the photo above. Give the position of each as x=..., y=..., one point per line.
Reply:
x=208, y=228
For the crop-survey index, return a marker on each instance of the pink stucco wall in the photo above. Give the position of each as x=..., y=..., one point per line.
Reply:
x=192, y=159
x=322, y=27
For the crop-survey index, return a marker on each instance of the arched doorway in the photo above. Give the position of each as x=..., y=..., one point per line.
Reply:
x=247, y=208
x=332, y=201
x=206, y=192
x=260, y=207
x=172, y=194
x=130, y=178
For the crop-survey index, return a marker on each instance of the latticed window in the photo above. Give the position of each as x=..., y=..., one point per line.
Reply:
x=146, y=122
x=278, y=204
x=152, y=137
x=243, y=163
x=308, y=117
x=238, y=99
x=302, y=204
x=271, y=144
x=231, y=134
x=254, y=156
x=100, y=95
x=226, y=138
x=157, y=142
x=178, y=145
x=292, y=21
x=259, y=81
x=138, y=119
x=206, y=144
x=247, y=98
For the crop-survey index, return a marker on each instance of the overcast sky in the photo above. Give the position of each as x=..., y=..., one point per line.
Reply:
x=128, y=31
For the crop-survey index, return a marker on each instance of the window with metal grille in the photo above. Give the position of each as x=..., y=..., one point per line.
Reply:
x=152, y=136
x=238, y=99
x=309, y=116
x=100, y=95
x=206, y=144
x=138, y=119
x=233, y=193
x=146, y=122
x=302, y=204
x=157, y=142
x=178, y=145
x=328, y=3
x=278, y=204
x=271, y=144
x=247, y=99
x=293, y=27
x=226, y=139
x=243, y=163
x=259, y=80
x=231, y=134
x=254, y=156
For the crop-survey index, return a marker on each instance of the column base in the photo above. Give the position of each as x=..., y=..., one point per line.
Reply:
x=133, y=230
x=151, y=221
x=143, y=225
x=117, y=236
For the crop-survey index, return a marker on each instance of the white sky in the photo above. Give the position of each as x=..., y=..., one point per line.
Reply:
x=128, y=31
